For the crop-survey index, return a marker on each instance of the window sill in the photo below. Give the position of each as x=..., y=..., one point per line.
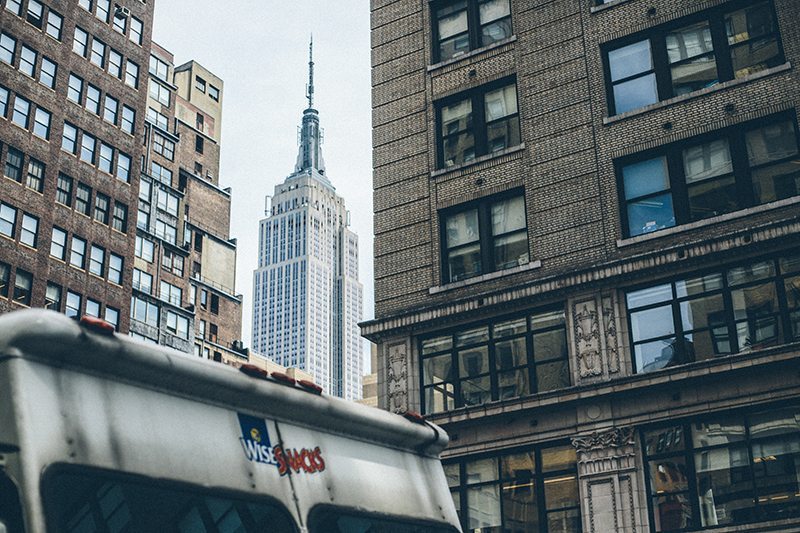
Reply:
x=603, y=7
x=621, y=243
x=485, y=277
x=702, y=92
x=478, y=160
x=473, y=53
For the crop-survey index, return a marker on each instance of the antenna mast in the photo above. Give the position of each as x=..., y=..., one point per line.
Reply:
x=310, y=89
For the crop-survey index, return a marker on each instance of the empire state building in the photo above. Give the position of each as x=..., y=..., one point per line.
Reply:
x=307, y=300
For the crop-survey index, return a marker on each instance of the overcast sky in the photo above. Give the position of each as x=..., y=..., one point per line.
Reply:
x=260, y=50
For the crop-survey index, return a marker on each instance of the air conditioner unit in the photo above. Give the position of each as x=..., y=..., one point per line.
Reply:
x=122, y=10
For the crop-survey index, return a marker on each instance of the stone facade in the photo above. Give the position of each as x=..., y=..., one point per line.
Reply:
x=579, y=307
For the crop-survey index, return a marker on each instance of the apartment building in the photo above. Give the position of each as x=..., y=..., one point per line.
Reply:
x=587, y=266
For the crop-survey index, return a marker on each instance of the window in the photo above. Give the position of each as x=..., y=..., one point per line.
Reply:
x=23, y=283
x=132, y=74
x=144, y=311
x=464, y=25
x=41, y=123
x=112, y=317
x=86, y=4
x=47, y=73
x=163, y=146
x=80, y=42
x=123, y=166
x=73, y=308
x=173, y=262
x=162, y=174
x=691, y=54
x=120, y=219
x=29, y=230
x=58, y=243
x=93, y=99
x=35, y=13
x=144, y=249
x=69, y=139
x=159, y=68
x=142, y=281
x=106, y=158
x=128, y=119
x=97, y=261
x=213, y=92
x=101, y=208
x=483, y=122
x=83, y=199
x=54, y=24
x=171, y=293
x=707, y=176
x=8, y=46
x=77, y=256
x=4, y=96
x=528, y=489
x=723, y=470
x=168, y=202
x=110, y=109
x=215, y=304
x=92, y=308
x=484, y=237
x=115, y=263
x=498, y=361
x=5, y=276
x=8, y=220
x=35, y=178
x=715, y=314
x=159, y=119
x=204, y=298
x=52, y=297
x=103, y=7
x=120, y=22
x=14, y=164
x=64, y=190
x=87, y=148
x=200, y=84
x=75, y=89
x=15, y=6
x=159, y=92
x=136, y=31
x=27, y=61
x=166, y=231
x=178, y=325
x=21, y=112
x=114, y=63
x=198, y=144
x=98, y=55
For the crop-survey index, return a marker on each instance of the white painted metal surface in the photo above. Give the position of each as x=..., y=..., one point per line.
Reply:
x=70, y=396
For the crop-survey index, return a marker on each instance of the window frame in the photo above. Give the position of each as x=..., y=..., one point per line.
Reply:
x=661, y=66
x=474, y=28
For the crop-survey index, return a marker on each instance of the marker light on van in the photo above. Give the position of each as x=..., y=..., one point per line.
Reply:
x=310, y=386
x=283, y=378
x=97, y=325
x=253, y=371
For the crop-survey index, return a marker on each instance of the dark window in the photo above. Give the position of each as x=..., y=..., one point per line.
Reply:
x=213, y=332
x=198, y=144
x=35, y=178
x=213, y=92
x=483, y=121
x=64, y=190
x=13, y=167
x=711, y=175
x=724, y=470
x=464, y=25
x=528, y=489
x=502, y=360
x=482, y=237
x=101, y=208
x=5, y=275
x=721, y=44
x=200, y=84
x=198, y=241
x=35, y=13
x=83, y=199
x=23, y=283
x=53, y=297
x=4, y=97
x=741, y=309
x=120, y=220
x=215, y=304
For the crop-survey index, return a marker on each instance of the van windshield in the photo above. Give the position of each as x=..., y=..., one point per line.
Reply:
x=339, y=521
x=89, y=502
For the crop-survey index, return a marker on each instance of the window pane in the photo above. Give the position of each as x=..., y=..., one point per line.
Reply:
x=481, y=471
x=501, y=103
x=457, y=117
x=462, y=228
x=548, y=319
x=560, y=492
x=513, y=384
x=476, y=391
x=651, y=214
x=688, y=42
x=518, y=466
x=754, y=308
x=558, y=458
x=777, y=475
x=656, y=322
x=684, y=44
x=511, y=250
x=511, y=353
x=484, y=507
x=751, y=272
x=656, y=355
x=550, y=345
x=437, y=369
x=464, y=262
x=712, y=198
x=722, y=430
x=512, y=327
x=771, y=143
x=520, y=507
x=437, y=345
x=645, y=178
x=503, y=134
x=707, y=161
x=650, y=295
x=552, y=376
x=453, y=21
x=473, y=361
x=672, y=512
x=775, y=422
x=635, y=93
x=755, y=56
x=724, y=487
x=630, y=60
x=439, y=398
x=508, y=215
x=776, y=182
x=472, y=336
x=664, y=440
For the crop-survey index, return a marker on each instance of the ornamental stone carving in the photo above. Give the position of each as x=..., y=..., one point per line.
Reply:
x=587, y=339
x=607, y=451
x=397, y=377
x=610, y=329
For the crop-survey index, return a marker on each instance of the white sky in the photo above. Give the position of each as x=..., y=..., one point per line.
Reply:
x=260, y=50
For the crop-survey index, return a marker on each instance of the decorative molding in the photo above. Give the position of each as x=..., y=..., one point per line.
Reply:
x=397, y=377
x=611, y=331
x=590, y=486
x=587, y=338
x=606, y=452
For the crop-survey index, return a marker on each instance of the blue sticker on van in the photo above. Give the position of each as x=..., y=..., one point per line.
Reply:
x=255, y=440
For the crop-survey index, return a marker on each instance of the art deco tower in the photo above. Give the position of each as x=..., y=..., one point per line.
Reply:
x=307, y=300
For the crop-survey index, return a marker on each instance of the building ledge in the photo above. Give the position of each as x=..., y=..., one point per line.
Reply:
x=691, y=96
x=478, y=160
x=607, y=5
x=621, y=243
x=472, y=53
x=485, y=277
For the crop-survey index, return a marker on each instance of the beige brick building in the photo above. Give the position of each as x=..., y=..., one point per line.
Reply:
x=587, y=269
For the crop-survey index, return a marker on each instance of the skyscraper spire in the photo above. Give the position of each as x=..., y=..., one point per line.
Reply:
x=310, y=88
x=309, y=156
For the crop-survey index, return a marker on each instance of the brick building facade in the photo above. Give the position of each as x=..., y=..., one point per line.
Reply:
x=586, y=220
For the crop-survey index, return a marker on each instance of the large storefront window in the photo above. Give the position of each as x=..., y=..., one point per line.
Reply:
x=497, y=361
x=743, y=308
x=530, y=490
x=724, y=470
